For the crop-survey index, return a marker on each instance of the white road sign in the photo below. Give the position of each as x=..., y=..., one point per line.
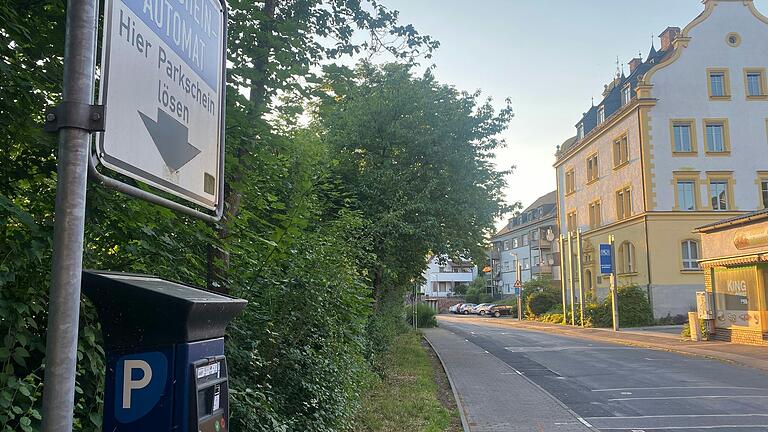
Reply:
x=163, y=88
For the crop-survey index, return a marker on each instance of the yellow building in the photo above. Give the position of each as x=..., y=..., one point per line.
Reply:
x=680, y=142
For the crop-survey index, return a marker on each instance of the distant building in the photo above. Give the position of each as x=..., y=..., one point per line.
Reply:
x=443, y=275
x=530, y=237
x=679, y=142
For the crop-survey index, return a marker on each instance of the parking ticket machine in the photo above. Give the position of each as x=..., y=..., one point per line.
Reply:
x=164, y=343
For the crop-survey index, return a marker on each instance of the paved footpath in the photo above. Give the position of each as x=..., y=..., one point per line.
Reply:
x=492, y=396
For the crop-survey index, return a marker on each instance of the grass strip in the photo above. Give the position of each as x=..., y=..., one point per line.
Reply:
x=406, y=398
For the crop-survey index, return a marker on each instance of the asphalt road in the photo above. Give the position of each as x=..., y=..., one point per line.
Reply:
x=622, y=388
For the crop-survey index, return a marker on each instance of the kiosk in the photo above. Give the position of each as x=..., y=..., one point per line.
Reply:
x=164, y=343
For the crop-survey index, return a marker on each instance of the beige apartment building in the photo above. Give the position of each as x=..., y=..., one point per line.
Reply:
x=679, y=142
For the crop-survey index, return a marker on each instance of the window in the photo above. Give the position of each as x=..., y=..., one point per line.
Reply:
x=626, y=258
x=536, y=260
x=764, y=192
x=600, y=115
x=526, y=263
x=718, y=194
x=592, y=171
x=571, y=221
x=515, y=243
x=754, y=83
x=570, y=182
x=535, y=235
x=683, y=138
x=580, y=131
x=620, y=151
x=686, y=199
x=626, y=95
x=595, y=217
x=716, y=135
x=718, y=84
x=525, y=239
x=505, y=266
x=588, y=284
x=690, y=255
x=624, y=203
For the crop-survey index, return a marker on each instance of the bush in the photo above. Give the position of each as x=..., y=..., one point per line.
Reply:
x=672, y=320
x=425, y=316
x=686, y=332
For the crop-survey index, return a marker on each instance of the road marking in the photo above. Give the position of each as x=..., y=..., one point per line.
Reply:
x=676, y=388
x=675, y=416
x=689, y=427
x=688, y=397
x=586, y=423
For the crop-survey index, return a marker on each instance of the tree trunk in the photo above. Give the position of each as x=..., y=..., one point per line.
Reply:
x=218, y=257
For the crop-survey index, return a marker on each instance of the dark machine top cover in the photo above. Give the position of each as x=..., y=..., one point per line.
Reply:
x=145, y=311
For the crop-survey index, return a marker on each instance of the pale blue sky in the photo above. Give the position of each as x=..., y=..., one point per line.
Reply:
x=549, y=56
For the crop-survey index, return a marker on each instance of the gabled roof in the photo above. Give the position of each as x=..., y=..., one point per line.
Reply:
x=550, y=198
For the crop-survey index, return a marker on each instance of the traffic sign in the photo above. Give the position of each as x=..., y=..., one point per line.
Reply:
x=606, y=259
x=140, y=381
x=163, y=88
x=518, y=283
x=517, y=291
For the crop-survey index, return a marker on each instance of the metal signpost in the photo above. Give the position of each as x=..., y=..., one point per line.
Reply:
x=580, y=272
x=162, y=117
x=519, y=293
x=561, y=244
x=607, y=266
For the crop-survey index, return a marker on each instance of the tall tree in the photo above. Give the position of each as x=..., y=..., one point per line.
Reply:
x=417, y=157
x=275, y=48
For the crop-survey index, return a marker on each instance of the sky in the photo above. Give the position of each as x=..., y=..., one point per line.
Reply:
x=551, y=57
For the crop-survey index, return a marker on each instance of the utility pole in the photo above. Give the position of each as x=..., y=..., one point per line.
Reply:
x=72, y=169
x=561, y=243
x=614, y=285
x=572, y=288
x=580, y=272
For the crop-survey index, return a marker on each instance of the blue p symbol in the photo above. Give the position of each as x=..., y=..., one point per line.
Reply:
x=141, y=379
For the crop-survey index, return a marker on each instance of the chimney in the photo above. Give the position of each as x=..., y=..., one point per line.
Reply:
x=637, y=61
x=668, y=36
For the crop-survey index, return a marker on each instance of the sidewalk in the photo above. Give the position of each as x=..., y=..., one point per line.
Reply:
x=491, y=396
x=746, y=355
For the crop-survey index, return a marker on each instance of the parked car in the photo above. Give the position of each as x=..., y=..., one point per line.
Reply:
x=499, y=310
x=482, y=309
x=476, y=308
x=455, y=308
x=466, y=308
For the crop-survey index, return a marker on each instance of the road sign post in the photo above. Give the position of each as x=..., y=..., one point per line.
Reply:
x=72, y=169
x=561, y=244
x=608, y=266
x=581, y=277
x=519, y=292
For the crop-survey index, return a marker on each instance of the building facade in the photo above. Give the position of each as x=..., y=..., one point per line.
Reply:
x=678, y=143
x=443, y=275
x=530, y=237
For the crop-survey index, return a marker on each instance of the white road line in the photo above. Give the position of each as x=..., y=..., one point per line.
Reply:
x=676, y=388
x=675, y=416
x=687, y=427
x=688, y=397
x=586, y=423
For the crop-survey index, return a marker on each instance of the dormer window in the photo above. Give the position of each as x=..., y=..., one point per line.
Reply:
x=600, y=115
x=626, y=95
x=580, y=129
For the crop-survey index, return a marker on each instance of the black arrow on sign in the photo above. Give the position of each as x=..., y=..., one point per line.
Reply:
x=171, y=139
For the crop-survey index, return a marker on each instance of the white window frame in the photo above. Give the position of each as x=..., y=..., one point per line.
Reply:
x=714, y=194
x=626, y=95
x=717, y=87
x=682, y=198
x=715, y=143
x=600, y=115
x=680, y=145
x=690, y=255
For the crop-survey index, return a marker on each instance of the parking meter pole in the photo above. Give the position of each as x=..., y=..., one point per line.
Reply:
x=72, y=170
x=614, y=285
x=562, y=277
x=580, y=272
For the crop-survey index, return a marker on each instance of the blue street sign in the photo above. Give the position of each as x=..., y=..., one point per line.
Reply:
x=606, y=259
x=517, y=291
